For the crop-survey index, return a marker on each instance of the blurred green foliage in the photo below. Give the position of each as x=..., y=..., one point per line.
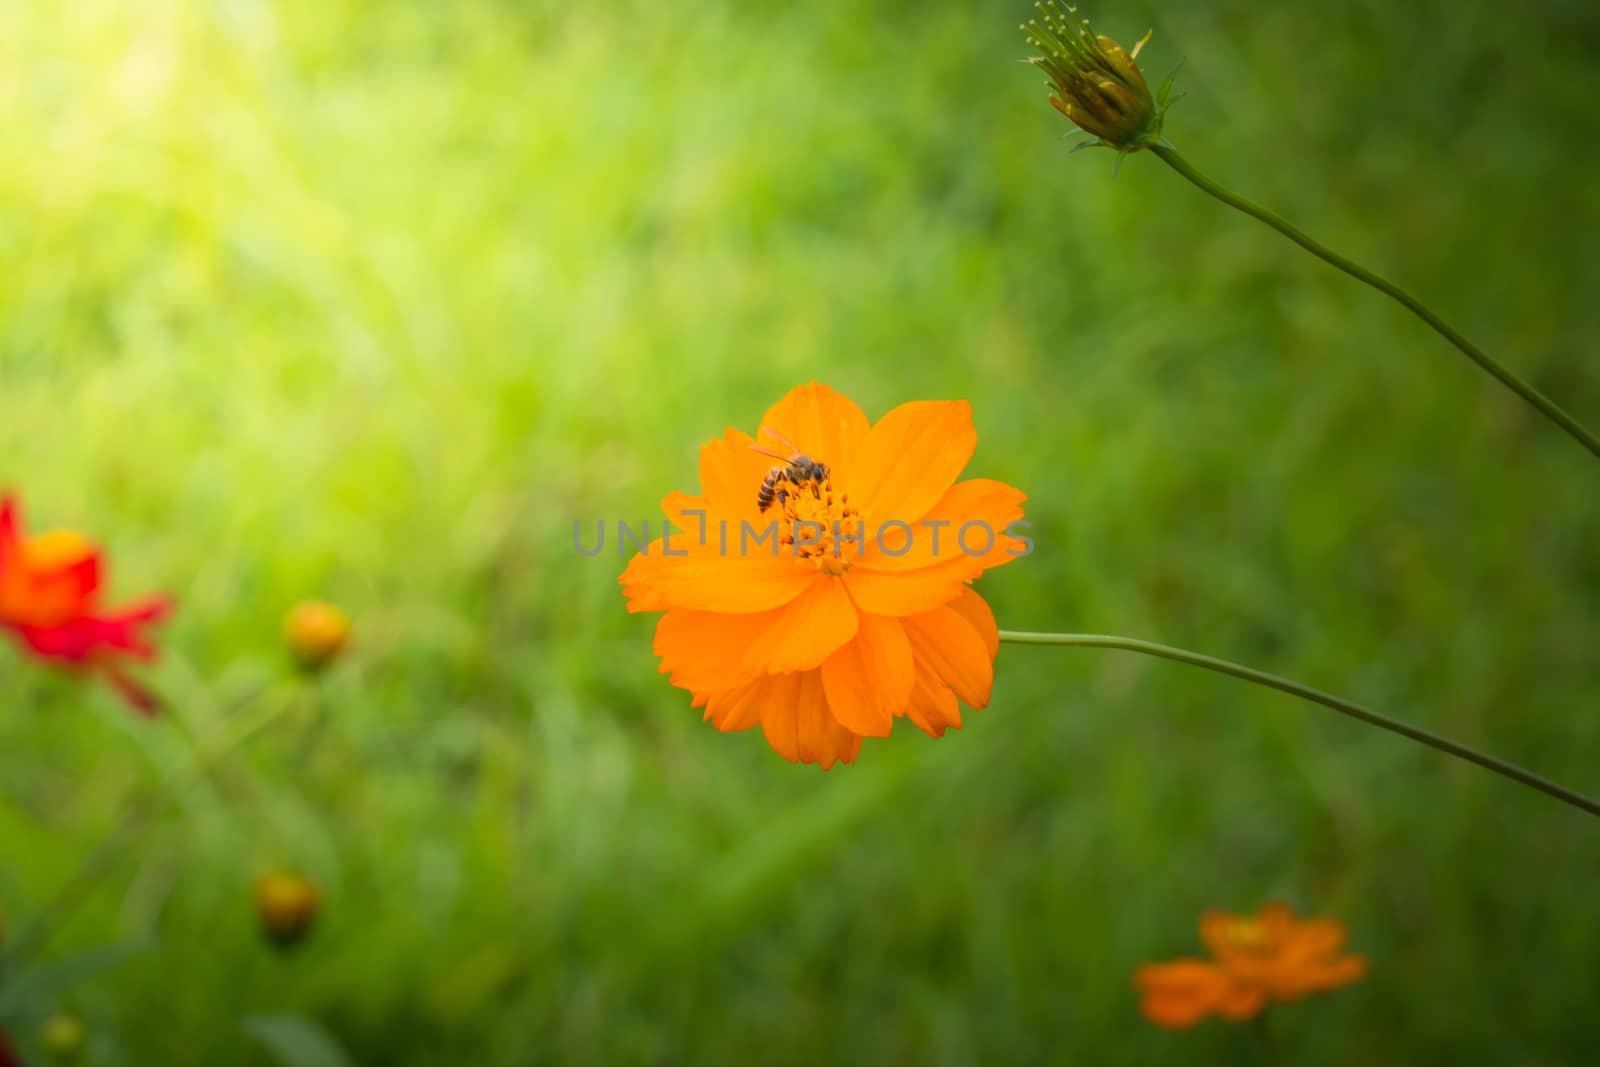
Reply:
x=372, y=302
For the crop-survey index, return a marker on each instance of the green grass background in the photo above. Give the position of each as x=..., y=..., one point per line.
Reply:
x=373, y=301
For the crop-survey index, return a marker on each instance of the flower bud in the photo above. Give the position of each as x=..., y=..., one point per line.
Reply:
x=1095, y=81
x=317, y=632
x=62, y=1037
x=287, y=905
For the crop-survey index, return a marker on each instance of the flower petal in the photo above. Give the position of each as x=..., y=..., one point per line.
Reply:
x=736, y=709
x=823, y=739
x=10, y=544
x=806, y=631
x=692, y=519
x=910, y=458
x=868, y=680
x=907, y=592
x=10, y=521
x=779, y=703
x=819, y=422
x=949, y=645
x=933, y=708
x=703, y=650
x=1181, y=993
x=1278, y=920
x=798, y=725
x=705, y=580
x=83, y=639
x=1335, y=973
x=972, y=607
x=73, y=581
x=731, y=475
x=1241, y=1001
x=1316, y=937
x=968, y=522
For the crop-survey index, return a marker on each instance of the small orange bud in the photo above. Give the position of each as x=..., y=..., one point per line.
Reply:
x=1095, y=81
x=62, y=1037
x=317, y=632
x=286, y=904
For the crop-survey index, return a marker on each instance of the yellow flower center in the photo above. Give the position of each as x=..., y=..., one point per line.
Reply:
x=27, y=596
x=1248, y=935
x=57, y=550
x=819, y=524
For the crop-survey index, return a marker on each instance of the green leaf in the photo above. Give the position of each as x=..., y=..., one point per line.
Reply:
x=296, y=1041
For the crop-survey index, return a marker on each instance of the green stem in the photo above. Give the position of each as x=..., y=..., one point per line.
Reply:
x=137, y=817
x=1546, y=406
x=1316, y=696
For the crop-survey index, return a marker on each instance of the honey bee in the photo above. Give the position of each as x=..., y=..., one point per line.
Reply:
x=798, y=470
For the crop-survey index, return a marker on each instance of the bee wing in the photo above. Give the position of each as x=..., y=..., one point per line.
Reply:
x=768, y=452
x=794, y=449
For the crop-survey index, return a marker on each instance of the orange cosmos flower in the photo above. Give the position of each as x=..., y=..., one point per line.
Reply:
x=819, y=583
x=1270, y=956
x=49, y=598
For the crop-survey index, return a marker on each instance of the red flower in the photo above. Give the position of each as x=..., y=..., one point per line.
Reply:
x=49, y=598
x=8, y=1055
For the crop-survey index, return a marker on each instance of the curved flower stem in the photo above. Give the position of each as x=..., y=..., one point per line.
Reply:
x=1546, y=406
x=141, y=812
x=1316, y=696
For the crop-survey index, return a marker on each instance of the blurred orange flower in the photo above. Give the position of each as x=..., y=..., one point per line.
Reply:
x=819, y=584
x=49, y=598
x=1256, y=959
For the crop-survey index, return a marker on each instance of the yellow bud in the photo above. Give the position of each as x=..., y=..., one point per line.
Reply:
x=286, y=904
x=316, y=632
x=62, y=1037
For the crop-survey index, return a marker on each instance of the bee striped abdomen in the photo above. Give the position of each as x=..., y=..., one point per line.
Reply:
x=769, y=488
